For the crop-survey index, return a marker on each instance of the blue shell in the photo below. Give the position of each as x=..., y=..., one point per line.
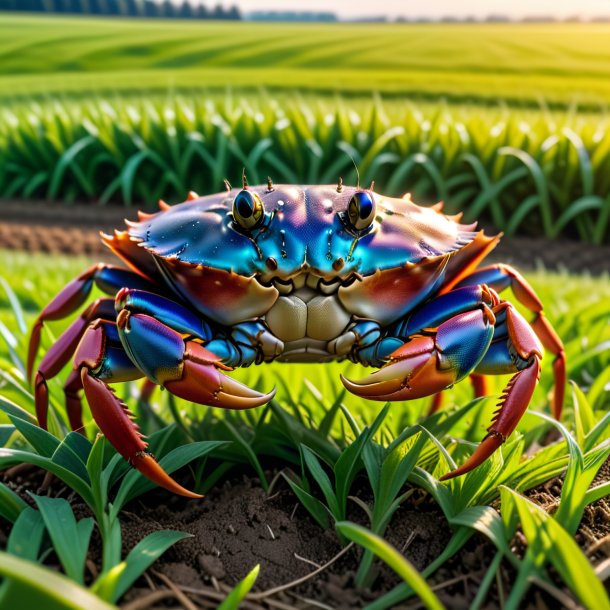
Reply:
x=304, y=228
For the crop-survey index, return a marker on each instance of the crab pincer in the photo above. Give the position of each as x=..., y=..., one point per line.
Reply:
x=195, y=374
x=433, y=362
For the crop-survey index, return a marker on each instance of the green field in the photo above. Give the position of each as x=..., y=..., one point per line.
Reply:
x=517, y=63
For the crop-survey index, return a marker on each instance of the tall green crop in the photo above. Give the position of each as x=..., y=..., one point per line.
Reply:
x=534, y=174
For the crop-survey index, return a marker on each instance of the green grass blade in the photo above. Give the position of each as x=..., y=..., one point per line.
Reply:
x=32, y=586
x=394, y=559
x=135, y=484
x=26, y=536
x=233, y=600
x=70, y=538
x=142, y=556
x=561, y=550
x=43, y=442
x=11, y=505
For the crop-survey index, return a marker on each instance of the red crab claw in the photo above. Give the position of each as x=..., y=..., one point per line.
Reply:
x=186, y=369
x=113, y=416
x=412, y=372
x=512, y=405
x=204, y=382
x=115, y=421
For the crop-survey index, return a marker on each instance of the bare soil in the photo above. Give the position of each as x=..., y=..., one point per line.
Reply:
x=74, y=229
x=303, y=567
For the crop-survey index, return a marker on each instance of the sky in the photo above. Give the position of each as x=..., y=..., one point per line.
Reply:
x=437, y=8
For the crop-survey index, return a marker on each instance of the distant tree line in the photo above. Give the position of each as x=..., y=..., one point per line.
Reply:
x=326, y=16
x=126, y=8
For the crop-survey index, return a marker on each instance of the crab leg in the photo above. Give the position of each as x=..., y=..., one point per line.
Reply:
x=96, y=365
x=500, y=277
x=516, y=395
x=60, y=353
x=165, y=340
x=435, y=358
x=106, y=277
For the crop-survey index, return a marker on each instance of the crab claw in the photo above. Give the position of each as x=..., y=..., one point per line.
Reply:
x=204, y=382
x=185, y=368
x=115, y=421
x=411, y=372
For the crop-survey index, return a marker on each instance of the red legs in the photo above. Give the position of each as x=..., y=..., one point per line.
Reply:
x=500, y=277
x=107, y=277
x=517, y=394
x=74, y=406
x=146, y=390
x=58, y=356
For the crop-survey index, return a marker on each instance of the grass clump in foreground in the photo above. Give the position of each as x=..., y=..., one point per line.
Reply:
x=326, y=442
x=538, y=172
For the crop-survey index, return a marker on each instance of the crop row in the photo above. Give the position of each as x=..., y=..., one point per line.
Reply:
x=536, y=174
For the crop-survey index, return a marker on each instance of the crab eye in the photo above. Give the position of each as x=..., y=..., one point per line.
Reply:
x=361, y=210
x=248, y=209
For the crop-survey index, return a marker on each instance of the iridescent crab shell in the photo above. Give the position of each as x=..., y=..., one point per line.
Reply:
x=407, y=252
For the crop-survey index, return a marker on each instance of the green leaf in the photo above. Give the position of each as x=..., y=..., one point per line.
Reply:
x=69, y=454
x=142, y=556
x=316, y=508
x=239, y=592
x=25, y=539
x=13, y=409
x=550, y=542
x=70, y=539
x=394, y=559
x=404, y=591
x=135, y=484
x=44, y=442
x=11, y=504
x=12, y=457
x=488, y=522
x=247, y=450
x=32, y=586
x=15, y=306
x=322, y=479
x=583, y=415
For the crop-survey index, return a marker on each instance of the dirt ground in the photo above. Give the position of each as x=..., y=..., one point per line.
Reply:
x=74, y=229
x=303, y=567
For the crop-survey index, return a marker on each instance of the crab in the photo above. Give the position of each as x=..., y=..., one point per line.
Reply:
x=294, y=274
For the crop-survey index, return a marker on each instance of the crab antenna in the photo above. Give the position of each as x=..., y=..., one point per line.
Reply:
x=340, y=185
x=228, y=185
x=372, y=187
x=244, y=180
x=357, y=172
x=269, y=183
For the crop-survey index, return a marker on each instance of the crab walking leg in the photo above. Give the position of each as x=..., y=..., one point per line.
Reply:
x=107, y=278
x=60, y=353
x=74, y=407
x=500, y=277
x=98, y=362
x=518, y=392
x=183, y=366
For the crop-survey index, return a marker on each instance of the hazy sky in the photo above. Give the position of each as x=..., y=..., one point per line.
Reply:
x=437, y=8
